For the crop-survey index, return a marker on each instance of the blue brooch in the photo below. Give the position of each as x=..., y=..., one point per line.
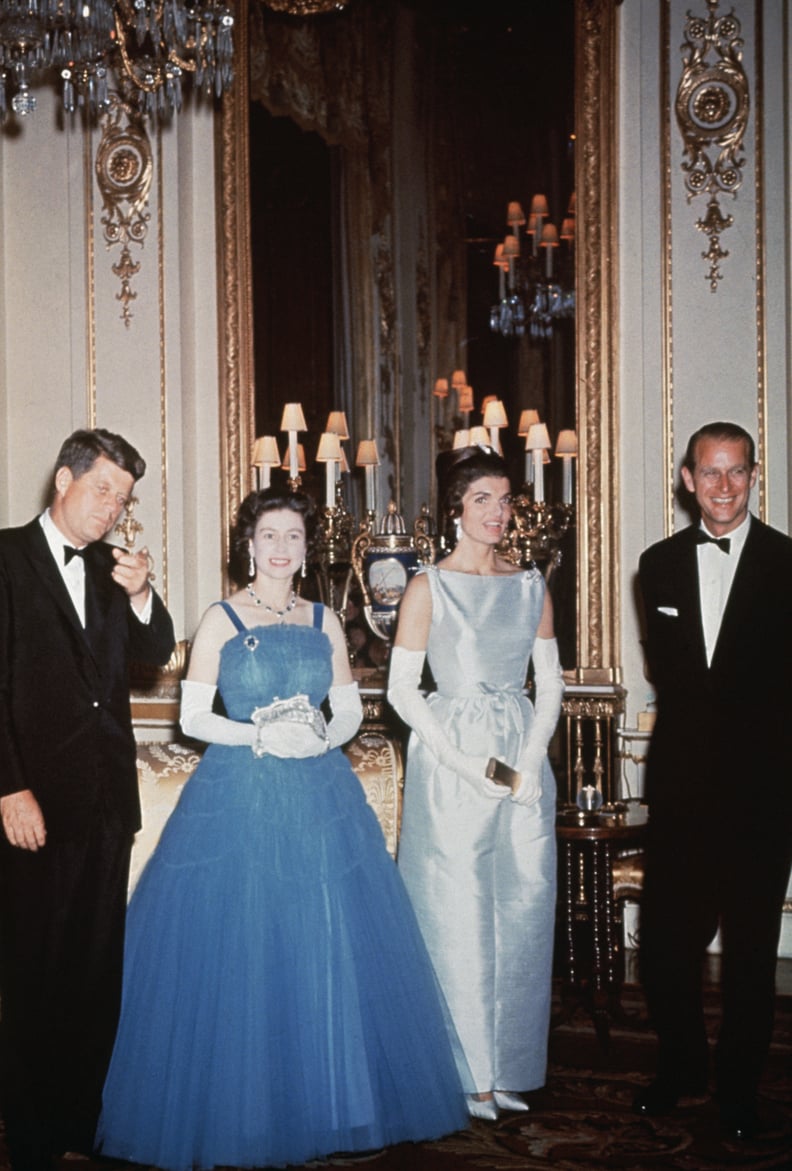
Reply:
x=251, y=642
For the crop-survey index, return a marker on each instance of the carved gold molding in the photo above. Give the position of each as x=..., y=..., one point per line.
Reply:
x=124, y=167
x=712, y=113
x=598, y=488
x=237, y=391
x=596, y=324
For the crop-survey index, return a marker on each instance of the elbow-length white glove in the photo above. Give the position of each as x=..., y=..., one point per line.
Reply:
x=346, y=713
x=547, y=707
x=405, y=697
x=283, y=738
x=199, y=721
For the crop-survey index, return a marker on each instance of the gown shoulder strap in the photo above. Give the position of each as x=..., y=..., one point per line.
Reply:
x=318, y=615
x=232, y=614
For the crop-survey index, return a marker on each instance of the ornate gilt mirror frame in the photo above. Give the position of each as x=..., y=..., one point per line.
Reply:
x=597, y=487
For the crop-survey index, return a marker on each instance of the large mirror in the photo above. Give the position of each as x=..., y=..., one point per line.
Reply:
x=406, y=325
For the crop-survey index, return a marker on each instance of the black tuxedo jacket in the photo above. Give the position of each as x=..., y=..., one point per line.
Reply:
x=65, y=722
x=723, y=736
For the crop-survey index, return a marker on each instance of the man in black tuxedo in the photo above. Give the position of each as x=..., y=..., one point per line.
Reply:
x=74, y=612
x=718, y=611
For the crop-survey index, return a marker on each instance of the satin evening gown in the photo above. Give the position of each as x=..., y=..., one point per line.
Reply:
x=279, y=1003
x=481, y=872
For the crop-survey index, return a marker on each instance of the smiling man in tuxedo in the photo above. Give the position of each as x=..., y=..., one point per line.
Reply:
x=74, y=612
x=718, y=615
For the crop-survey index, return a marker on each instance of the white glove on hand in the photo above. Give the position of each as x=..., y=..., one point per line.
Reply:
x=199, y=721
x=289, y=739
x=404, y=694
x=347, y=713
x=547, y=707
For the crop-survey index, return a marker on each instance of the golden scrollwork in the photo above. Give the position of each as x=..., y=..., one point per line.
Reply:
x=124, y=166
x=712, y=105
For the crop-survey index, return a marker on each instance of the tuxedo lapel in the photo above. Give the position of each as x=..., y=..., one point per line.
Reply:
x=744, y=595
x=690, y=597
x=98, y=591
x=49, y=575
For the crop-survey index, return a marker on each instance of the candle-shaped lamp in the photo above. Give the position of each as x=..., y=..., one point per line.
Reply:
x=566, y=450
x=539, y=211
x=461, y=438
x=537, y=442
x=494, y=419
x=480, y=436
x=465, y=400
x=549, y=242
x=292, y=421
x=511, y=251
x=368, y=458
x=329, y=454
x=265, y=457
x=301, y=464
x=440, y=388
x=527, y=419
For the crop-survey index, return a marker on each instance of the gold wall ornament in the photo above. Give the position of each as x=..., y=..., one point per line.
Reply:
x=712, y=105
x=123, y=172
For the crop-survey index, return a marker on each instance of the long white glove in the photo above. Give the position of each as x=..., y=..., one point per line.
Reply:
x=347, y=713
x=198, y=720
x=404, y=694
x=547, y=707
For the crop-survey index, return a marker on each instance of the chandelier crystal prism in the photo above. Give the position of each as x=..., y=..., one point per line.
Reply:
x=149, y=47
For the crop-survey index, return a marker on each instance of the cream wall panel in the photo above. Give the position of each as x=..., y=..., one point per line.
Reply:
x=68, y=359
x=689, y=355
x=41, y=218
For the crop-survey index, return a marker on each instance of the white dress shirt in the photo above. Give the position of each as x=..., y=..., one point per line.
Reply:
x=73, y=574
x=716, y=573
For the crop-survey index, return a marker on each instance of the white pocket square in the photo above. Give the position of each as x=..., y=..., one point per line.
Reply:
x=671, y=611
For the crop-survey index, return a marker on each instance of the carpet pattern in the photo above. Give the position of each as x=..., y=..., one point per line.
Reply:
x=582, y=1120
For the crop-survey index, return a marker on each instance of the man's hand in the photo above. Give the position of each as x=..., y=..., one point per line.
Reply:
x=23, y=820
x=131, y=572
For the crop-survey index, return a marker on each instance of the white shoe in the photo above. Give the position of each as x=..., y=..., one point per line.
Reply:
x=482, y=1108
x=508, y=1101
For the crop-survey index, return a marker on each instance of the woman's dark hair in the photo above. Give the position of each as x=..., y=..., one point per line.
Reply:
x=82, y=449
x=250, y=512
x=458, y=469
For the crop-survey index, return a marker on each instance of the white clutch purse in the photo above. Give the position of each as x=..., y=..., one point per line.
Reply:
x=297, y=709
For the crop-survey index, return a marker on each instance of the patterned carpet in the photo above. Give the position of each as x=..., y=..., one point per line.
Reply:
x=582, y=1120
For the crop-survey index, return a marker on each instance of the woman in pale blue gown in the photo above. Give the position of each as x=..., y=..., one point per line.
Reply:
x=279, y=1003
x=478, y=856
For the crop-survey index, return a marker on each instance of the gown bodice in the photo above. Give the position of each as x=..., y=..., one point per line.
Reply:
x=263, y=663
x=483, y=629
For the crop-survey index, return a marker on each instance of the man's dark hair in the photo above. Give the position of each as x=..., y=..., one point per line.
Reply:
x=730, y=431
x=82, y=449
x=250, y=512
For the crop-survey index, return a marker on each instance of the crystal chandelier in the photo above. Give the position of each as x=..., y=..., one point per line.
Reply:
x=306, y=7
x=149, y=46
x=535, y=290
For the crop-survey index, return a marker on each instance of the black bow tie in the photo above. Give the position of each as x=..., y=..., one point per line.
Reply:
x=69, y=551
x=723, y=543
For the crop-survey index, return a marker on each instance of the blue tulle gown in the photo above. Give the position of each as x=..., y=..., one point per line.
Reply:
x=279, y=1003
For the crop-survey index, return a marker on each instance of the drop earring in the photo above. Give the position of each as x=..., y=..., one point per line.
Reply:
x=457, y=529
x=251, y=567
x=302, y=568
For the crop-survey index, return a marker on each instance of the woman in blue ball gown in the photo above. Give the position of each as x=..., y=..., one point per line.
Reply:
x=279, y=1003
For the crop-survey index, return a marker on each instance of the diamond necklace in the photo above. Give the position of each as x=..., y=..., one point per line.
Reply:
x=292, y=602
